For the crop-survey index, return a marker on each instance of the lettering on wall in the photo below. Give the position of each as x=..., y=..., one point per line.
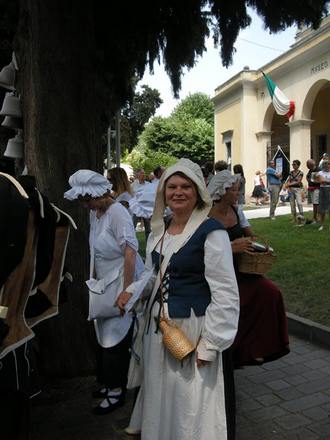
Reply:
x=318, y=67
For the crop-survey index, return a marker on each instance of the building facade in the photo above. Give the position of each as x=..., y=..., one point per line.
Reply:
x=247, y=129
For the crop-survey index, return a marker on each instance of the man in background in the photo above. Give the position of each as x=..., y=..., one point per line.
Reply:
x=274, y=187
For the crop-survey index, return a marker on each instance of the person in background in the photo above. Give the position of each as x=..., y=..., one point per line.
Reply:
x=158, y=172
x=238, y=169
x=284, y=196
x=114, y=259
x=138, y=186
x=121, y=188
x=313, y=187
x=325, y=157
x=295, y=187
x=140, y=181
x=274, y=186
x=262, y=334
x=208, y=171
x=188, y=399
x=258, y=193
x=143, y=203
x=220, y=165
x=323, y=177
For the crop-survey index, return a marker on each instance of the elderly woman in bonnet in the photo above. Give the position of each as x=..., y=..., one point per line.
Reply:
x=262, y=331
x=114, y=264
x=186, y=399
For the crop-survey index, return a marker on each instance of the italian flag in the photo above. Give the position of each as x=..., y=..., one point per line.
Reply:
x=283, y=106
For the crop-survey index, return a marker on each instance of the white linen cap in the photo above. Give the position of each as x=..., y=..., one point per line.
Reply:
x=220, y=182
x=87, y=183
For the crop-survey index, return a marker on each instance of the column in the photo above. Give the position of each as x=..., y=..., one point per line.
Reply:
x=300, y=141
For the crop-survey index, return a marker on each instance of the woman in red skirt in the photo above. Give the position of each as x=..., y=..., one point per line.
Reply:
x=262, y=330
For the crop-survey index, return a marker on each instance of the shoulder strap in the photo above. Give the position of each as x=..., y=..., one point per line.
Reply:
x=18, y=186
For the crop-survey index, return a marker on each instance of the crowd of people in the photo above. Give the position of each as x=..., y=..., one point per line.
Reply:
x=191, y=281
x=292, y=189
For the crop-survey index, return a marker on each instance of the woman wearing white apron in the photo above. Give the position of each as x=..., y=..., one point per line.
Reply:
x=114, y=264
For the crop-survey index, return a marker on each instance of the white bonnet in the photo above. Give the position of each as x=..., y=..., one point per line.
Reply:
x=87, y=183
x=220, y=182
x=194, y=173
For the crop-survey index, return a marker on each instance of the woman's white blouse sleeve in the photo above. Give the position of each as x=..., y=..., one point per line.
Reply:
x=122, y=227
x=147, y=277
x=221, y=317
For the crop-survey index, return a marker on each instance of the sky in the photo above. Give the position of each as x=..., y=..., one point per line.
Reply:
x=254, y=48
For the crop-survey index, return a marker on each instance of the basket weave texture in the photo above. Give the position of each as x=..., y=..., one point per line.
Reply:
x=255, y=262
x=175, y=340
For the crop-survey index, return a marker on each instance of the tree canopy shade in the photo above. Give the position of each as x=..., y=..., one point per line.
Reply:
x=127, y=35
x=76, y=63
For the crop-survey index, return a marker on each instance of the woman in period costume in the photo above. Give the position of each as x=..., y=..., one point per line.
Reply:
x=190, y=399
x=262, y=331
x=113, y=259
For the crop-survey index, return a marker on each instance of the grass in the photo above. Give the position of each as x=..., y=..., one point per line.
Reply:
x=302, y=267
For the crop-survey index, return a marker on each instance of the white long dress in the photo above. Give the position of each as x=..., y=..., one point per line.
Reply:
x=180, y=401
x=108, y=238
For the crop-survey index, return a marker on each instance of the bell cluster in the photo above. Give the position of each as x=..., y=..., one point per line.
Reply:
x=11, y=109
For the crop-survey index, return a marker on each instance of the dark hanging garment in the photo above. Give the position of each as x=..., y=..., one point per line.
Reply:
x=13, y=222
x=46, y=224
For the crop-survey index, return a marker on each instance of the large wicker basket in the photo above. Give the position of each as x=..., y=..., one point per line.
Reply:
x=255, y=262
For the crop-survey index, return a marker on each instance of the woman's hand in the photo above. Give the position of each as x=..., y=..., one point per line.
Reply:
x=122, y=300
x=243, y=244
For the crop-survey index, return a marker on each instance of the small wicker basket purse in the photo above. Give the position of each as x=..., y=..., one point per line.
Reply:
x=174, y=339
x=256, y=262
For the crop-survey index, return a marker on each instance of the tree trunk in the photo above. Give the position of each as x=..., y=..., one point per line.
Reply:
x=62, y=134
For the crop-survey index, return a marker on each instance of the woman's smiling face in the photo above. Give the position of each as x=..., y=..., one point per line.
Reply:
x=180, y=194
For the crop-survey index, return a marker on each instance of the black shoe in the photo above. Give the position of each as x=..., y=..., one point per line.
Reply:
x=100, y=410
x=100, y=393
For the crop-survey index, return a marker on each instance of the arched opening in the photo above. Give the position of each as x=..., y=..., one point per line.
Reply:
x=280, y=136
x=268, y=118
x=316, y=107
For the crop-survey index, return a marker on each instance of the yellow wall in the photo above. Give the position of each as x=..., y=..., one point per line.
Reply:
x=228, y=118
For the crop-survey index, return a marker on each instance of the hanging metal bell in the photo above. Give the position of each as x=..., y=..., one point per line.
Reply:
x=11, y=106
x=13, y=123
x=15, y=147
x=7, y=77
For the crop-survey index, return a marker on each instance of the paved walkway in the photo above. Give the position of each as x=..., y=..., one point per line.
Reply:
x=288, y=399
x=264, y=211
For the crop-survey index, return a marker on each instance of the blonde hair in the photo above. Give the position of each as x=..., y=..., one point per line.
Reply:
x=119, y=180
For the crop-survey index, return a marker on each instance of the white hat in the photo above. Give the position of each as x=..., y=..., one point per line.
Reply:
x=87, y=183
x=194, y=173
x=220, y=182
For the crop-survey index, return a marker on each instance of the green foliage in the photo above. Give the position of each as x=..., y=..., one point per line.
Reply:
x=149, y=160
x=195, y=106
x=188, y=132
x=136, y=114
